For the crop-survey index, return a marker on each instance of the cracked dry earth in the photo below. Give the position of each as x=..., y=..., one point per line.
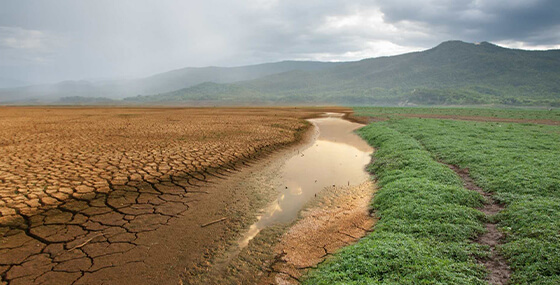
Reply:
x=113, y=195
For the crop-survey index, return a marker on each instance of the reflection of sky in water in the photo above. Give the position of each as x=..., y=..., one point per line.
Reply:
x=337, y=157
x=296, y=191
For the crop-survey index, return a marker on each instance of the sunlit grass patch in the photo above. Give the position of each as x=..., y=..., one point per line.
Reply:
x=393, y=258
x=520, y=163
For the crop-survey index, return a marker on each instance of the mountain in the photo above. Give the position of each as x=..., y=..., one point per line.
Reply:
x=453, y=72
x=159, y=83
x=79, y=100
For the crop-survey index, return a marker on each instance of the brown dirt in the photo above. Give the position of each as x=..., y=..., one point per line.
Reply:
x=117, y=195
x=340, y=218
x=462, y=118
x=499, y=271
x=281, y=254
x=259, y=180
x=336, y=217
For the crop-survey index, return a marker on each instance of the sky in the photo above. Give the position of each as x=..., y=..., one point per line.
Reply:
x=55, y=40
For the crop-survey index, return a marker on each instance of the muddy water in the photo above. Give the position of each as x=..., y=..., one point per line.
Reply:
x=337, y=156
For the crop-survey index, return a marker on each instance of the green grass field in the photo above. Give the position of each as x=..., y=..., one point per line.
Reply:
x=427, y=219
x=518, y=113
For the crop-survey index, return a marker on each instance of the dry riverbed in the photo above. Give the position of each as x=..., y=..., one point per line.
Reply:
x=143, y=196
x=323, y=205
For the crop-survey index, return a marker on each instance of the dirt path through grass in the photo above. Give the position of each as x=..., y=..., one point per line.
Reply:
x=499, y=271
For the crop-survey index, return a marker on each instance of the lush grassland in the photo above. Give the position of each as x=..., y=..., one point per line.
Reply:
x=525, y=114
x=521, y=165
x=427, y=218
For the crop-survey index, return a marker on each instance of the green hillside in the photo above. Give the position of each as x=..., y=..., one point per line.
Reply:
x=452, y=73
x=207, y=91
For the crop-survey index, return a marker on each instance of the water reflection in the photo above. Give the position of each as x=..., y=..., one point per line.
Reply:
x=337, y=157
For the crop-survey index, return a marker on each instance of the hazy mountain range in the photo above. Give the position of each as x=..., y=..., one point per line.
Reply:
x=159, y=83
x=453, y=72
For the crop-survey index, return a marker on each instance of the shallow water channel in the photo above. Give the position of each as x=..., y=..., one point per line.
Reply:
x=337, y=156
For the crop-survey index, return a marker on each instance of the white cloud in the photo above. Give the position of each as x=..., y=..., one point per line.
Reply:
x=369, y=49
x=369, y=24
x=526, y=46
x=363, y=33
x=19, y=44
x=19, y=38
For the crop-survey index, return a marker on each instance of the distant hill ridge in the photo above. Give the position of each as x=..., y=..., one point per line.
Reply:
x=159, y=83
x=452, y=73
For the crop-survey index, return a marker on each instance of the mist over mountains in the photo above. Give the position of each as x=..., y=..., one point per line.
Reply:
x=452, y=73
x=159, y=83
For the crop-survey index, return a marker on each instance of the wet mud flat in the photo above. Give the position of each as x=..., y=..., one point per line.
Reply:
x=322, y=205
x=339, y=217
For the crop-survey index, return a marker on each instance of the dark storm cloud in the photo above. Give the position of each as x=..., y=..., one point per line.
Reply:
x=534, y=22
x=66, y=39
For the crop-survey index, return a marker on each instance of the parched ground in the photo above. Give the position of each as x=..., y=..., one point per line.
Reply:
x=90, y=195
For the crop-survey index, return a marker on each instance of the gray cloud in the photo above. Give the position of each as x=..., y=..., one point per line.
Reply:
x=64, y=39
x=529, y=21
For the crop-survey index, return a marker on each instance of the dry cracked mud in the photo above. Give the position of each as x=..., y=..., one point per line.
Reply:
x=98, y=195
